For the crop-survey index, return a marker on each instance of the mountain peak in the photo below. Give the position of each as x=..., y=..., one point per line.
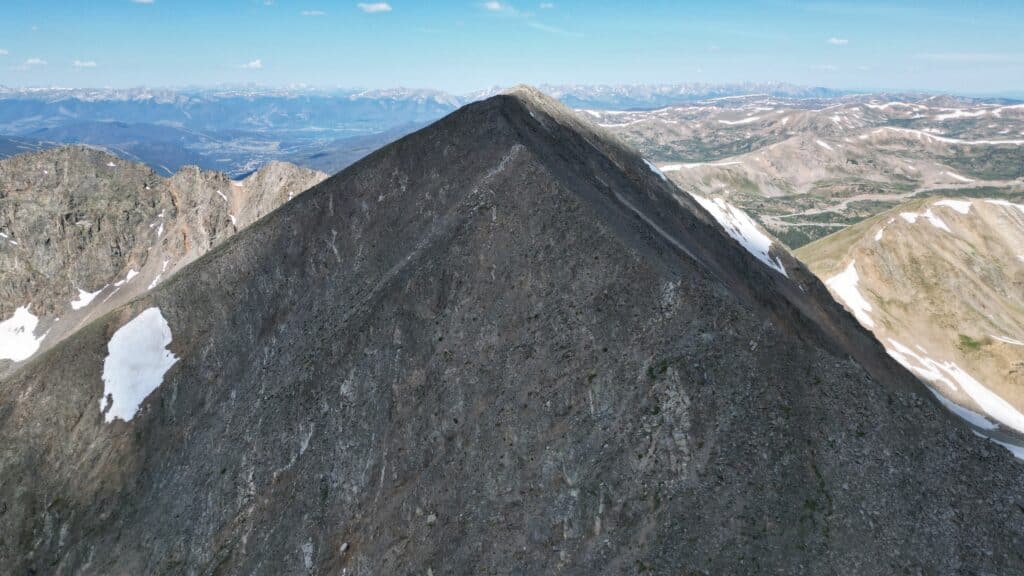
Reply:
x=506, y=315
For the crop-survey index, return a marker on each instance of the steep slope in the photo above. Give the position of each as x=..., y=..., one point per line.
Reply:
x=941, y=284
x=83, y=232
x=502, y=344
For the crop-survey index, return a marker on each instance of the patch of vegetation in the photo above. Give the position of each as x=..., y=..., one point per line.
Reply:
x=989, y=162
x=798, y=236
x=979, y=192
x=969, y=343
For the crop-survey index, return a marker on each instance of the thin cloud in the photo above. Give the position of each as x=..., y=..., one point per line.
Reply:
x=84, y=64
x=313, y=13
x=552, y=29
x=3, y=52
x=527, y=18
x=495, y=6
x=374, y=7
x=143, y=1
x=838, y=41
x=825, y=68
x=256, y=64
x=546, y=5
x=30, y=64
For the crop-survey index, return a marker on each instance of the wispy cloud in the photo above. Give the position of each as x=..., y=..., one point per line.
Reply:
x=30, y=64
x=552, y=29
x=527, y=17
x=546, y=5
x=84, y=64
x=143, y=1
x=825, y=67
x=3, y=52
x=495, y=6
x=374, y=7
x=313, y=13
x=972, y=57
x=256, y=64
x=838, y=41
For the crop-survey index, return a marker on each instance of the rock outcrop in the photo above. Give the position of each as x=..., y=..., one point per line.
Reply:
x=82, y=232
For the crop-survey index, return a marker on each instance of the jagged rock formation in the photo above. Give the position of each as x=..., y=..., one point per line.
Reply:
x=502, y=344
x=84, y=232
x=941, y=284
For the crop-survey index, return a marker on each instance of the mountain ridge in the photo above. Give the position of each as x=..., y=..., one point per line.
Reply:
x=81, y=226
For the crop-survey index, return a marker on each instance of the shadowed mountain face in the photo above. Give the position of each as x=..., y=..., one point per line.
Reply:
x=502, y=344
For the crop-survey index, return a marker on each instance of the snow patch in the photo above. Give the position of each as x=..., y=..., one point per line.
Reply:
x=136, y=362
x=128, y=278
x=954, y=377
x=749, y=120
x=17, y=338
x=844, y=286
x=221, y=194
x=1008, y=340
x=84, y=298
x=909, y=216
x=957, y=113
x=920, y=134
x=823, y=144
x=1006, y=204
x=743, y=229
x=691, y=165
x=956, y=176
x=964, y=413
x=655, y=170
x=878, y=235
x=936, y=221
x=961, y=206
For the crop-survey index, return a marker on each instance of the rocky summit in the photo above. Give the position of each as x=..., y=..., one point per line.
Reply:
x=503, y=344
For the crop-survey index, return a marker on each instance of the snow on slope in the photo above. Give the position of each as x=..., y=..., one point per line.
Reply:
x=961, y=206
x=743, y=229
x=951, y=375
x=84, y=298
x=136, y=362
x=844, y=285
x=17, y=338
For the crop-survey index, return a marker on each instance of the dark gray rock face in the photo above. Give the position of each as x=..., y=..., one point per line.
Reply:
x=501, y=345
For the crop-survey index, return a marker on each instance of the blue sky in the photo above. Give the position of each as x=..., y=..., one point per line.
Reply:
x=940, y=45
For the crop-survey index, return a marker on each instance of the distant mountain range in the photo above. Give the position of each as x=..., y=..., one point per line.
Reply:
x=235, y=130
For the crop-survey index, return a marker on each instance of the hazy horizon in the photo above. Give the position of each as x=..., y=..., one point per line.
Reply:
x=461, y=47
